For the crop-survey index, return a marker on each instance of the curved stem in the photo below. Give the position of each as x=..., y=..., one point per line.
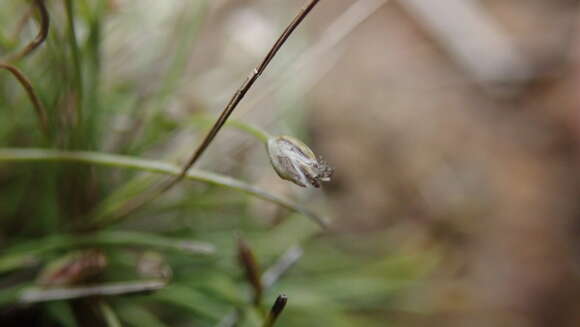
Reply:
x=244, y=88
x=253, y=130
x=96, y=158
x=258, y=133
x=40, y=37
x=27, y=85
x=227, y=111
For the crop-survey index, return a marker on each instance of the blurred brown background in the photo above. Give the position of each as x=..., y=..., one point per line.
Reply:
x=458, y=120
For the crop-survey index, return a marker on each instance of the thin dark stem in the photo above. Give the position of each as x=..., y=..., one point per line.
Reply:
x=38, y=107
x=227, y=111
x=241, y=92
x=269, y=277
x=40, y=37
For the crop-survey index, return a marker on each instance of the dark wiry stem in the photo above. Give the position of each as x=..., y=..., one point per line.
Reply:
x=248, y=261
x=241, y=92
x=38, y=107
x=40, y=37
x=227, y=111
x=269, y=277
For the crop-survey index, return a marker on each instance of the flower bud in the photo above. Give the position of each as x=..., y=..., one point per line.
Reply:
x=295, y=162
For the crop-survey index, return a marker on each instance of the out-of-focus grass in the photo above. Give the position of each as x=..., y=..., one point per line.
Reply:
x=52, y=201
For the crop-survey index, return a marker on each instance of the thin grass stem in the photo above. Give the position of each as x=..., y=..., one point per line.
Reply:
x=112, y=160
x=226, y=112
x=109, y=315
x=244, y=88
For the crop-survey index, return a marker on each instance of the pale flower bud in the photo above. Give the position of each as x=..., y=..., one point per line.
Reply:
x=295, y=162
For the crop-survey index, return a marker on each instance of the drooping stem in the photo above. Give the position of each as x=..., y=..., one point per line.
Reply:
x=207, y=121
x=241, y=92
x=227, y=111
x=27, y=85
x=40, y=37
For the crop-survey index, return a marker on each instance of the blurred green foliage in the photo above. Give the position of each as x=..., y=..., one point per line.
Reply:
x=187, y=240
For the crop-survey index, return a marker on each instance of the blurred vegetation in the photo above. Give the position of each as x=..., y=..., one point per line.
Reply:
x=66, y=259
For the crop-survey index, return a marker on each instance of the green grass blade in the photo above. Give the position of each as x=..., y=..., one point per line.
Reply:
x=111, y=318
x=112, y=160
x=30, y=252
x=62, y=312
x=136, y=315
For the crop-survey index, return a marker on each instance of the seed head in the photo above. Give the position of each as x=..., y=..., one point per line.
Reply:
x=295, y=162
